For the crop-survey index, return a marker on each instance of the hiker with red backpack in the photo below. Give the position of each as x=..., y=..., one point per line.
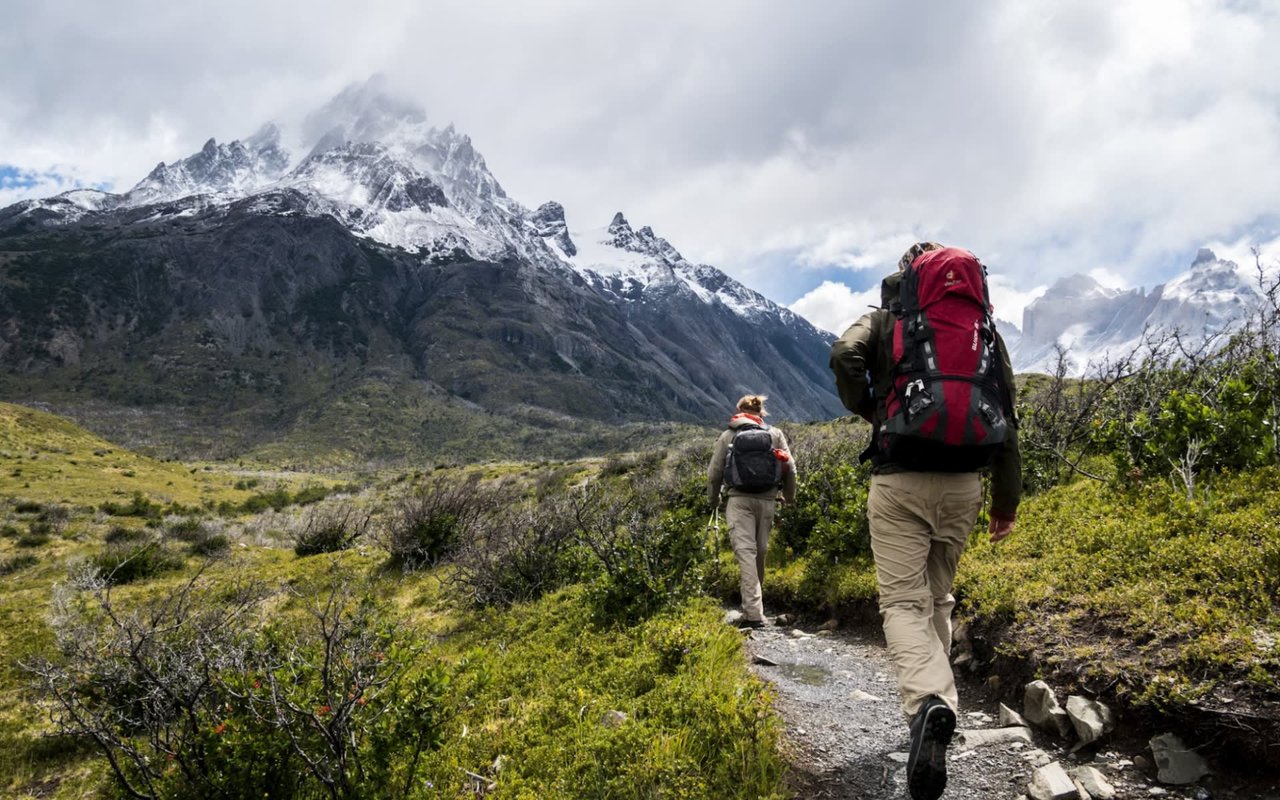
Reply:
x=752, y=464
x=931, y=374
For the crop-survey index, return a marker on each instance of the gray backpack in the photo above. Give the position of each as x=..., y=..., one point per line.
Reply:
x=751, y=465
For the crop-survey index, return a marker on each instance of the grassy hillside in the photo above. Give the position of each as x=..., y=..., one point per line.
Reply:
x=521, y=664
x=46, y=458
x=1168, y=599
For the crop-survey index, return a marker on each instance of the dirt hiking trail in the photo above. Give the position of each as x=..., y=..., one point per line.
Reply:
x=846, y=736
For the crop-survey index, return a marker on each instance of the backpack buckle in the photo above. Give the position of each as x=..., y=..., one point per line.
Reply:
x=917, y=398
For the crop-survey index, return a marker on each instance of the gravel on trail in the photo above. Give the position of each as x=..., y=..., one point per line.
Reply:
x=846, y=734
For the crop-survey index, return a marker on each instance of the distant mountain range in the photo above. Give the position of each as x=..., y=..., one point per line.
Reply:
x=373, y=289
x=1093, y=322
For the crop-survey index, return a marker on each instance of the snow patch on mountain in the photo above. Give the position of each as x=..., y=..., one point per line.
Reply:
x=232, y=170
x=633, y=264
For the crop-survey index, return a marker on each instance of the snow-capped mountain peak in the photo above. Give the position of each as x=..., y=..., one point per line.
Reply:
x=1094, y=322
x=233, y=169
x=374, y=163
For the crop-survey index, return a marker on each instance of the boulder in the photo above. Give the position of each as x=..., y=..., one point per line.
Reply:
x=1094, y=783
x=1175, y=762
x=1051, y=782
x=1040, y=707
x=1009, y=718
x=1092, y=720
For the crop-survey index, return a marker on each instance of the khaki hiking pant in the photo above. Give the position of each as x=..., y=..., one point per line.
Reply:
x=750, y=520
x=920, y=523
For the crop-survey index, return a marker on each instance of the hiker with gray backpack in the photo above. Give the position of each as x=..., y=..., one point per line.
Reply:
x=931, y=374
x=753, y=468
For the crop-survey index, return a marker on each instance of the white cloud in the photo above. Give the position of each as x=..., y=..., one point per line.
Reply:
x=1109, y=278
x=1241, y=251
x=1008, y=300
x=1059, y=138
x=28, y=185
x=833, y=306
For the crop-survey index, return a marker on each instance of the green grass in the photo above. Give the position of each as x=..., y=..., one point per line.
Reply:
x=542, y=685
x=532, y=687
x=1172, y=598
x=45, y=458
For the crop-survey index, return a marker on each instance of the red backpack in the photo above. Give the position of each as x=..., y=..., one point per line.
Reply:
x=946, y=409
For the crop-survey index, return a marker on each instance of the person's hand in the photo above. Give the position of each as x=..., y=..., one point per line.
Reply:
x=1000, y=528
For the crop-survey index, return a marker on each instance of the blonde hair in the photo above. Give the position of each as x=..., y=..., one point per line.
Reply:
x=753, y=404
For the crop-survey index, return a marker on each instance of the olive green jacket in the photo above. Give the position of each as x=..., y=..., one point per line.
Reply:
x=862, y=360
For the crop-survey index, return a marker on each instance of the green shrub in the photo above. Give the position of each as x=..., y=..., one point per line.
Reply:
x=310, y=494
x=28, y=507
x=197, y=697
x=645, y=558
x=126, y=562
x=120, y=533
x=211, y=545
x=829, y=512
x=138, y=506
x=1223, y=427
x=426, y=523
x=518, y=553
x=276, y=499
x=14, y=563
x=37, y=534
x=184, y=529
x=330, y=528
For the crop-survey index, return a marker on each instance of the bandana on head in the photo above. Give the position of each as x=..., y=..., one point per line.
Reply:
x=914, y=252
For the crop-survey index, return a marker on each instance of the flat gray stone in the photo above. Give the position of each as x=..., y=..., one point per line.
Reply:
x=1008, y=718
x=985, y=737
x=1051, y=782
x=1176, y=763
x=1094, y=782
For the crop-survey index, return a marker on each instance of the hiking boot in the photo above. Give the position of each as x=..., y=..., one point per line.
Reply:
x=931, y=732
x=753, y=624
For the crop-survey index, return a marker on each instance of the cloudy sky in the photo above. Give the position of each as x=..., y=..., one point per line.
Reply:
x=800, y=147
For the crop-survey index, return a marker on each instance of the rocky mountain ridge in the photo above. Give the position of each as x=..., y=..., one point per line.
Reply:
x=1093, y=322
x=244, y=281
